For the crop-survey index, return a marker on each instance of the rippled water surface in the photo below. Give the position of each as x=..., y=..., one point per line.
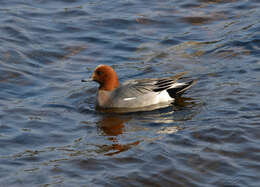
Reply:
x=50, y=132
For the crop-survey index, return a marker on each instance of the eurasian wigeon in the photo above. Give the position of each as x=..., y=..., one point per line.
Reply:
x=135, y=94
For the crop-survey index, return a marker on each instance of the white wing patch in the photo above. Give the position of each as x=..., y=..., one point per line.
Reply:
x=163, y=97
x=129, y=98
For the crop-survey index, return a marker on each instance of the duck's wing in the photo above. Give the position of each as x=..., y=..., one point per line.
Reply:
x=144, y=86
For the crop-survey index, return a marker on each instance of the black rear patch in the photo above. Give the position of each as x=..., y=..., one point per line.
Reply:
x=175, y=92
x=159, y=89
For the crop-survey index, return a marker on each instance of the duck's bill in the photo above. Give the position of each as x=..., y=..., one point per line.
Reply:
x=86, y=80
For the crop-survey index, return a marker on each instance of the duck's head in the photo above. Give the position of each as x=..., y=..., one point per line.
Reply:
x=106, y=77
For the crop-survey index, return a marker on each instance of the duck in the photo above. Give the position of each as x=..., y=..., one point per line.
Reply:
x=138, y=93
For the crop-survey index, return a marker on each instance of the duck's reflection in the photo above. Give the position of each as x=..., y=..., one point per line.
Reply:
x=112, y=126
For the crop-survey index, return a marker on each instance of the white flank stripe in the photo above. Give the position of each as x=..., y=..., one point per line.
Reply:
x=128, y=99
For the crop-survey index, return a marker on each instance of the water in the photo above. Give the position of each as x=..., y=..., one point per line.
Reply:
x=50, y=132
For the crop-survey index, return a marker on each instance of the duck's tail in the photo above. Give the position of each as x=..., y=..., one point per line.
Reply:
x=180, y=88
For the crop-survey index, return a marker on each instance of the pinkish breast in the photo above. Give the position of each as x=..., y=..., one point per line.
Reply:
x=103, y=98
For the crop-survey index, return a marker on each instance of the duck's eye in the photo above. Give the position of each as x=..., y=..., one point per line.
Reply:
x=98, y=72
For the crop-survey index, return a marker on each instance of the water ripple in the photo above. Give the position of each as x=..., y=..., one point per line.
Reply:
x=51, y=133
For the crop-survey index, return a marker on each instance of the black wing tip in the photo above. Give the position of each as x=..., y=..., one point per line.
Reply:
x=175, y=92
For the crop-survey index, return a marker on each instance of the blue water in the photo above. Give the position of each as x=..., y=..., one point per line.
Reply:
x=50, y=132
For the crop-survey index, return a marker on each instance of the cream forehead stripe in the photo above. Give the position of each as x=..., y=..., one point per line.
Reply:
x=99, y=66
